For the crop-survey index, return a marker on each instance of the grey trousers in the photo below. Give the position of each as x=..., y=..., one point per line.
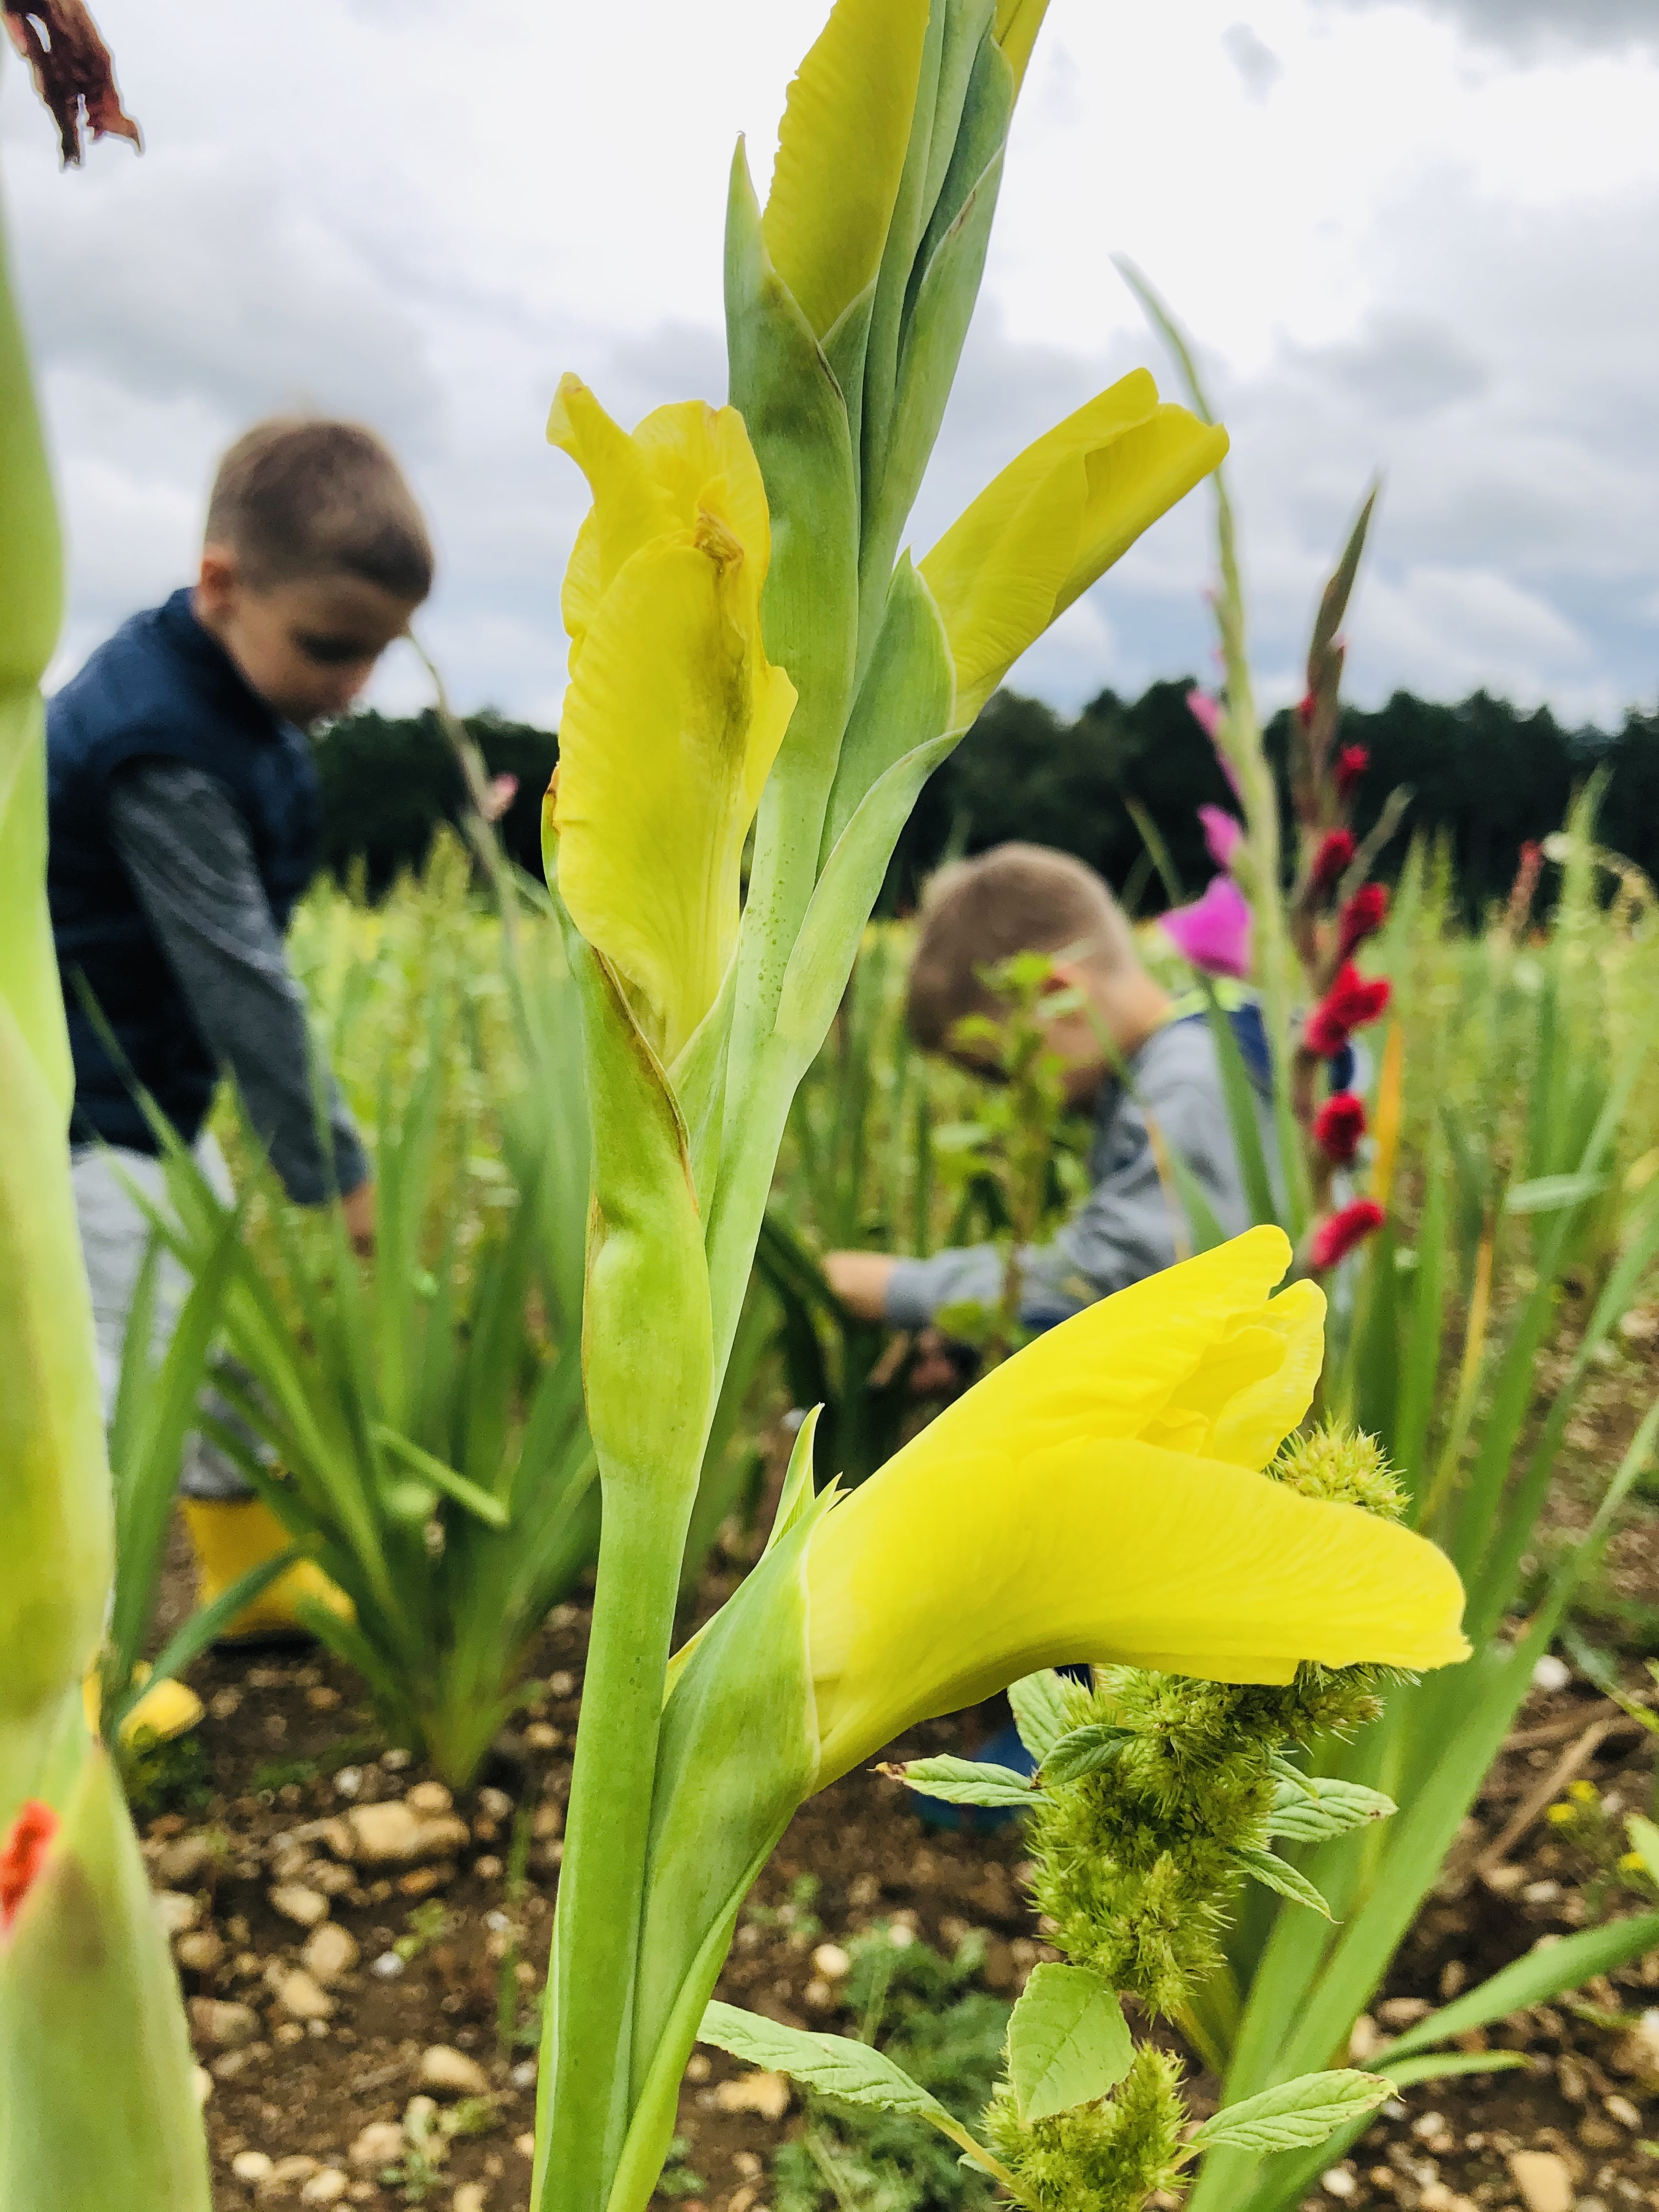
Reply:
x=115, y=1235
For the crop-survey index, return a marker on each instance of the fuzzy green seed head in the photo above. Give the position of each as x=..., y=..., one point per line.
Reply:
x=1098, y=2158
x=1342, y=1467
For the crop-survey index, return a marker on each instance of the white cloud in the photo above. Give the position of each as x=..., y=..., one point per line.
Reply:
x=1400, y=250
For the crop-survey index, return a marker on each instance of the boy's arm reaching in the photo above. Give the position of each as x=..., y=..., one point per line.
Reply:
x=185, y=847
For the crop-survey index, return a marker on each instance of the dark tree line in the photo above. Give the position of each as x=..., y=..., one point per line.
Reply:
x=1485, y=773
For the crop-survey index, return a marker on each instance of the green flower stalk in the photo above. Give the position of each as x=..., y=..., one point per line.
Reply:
x=97, y=2102
x=750, y=648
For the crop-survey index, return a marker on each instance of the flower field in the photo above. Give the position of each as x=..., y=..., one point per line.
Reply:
x=616, y=1822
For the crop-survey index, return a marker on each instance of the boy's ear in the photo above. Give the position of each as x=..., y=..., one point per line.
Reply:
x=219, y=577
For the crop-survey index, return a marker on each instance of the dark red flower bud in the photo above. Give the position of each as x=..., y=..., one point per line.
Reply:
x=1353, y=1000
x=22, y=1855
x=1339, y=1233
x=1338, y=1125
x=1352, y=764
x=1363, y=916
x=1332, y=862
x=1305, y=709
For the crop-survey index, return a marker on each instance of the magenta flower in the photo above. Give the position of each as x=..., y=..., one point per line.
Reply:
x=1214, y=932
x=1223, y=834
x=1205, y=710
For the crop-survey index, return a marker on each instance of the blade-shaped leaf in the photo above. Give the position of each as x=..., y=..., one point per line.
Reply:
x=1334, y=1808
x=1304, y=2110
x=1644, y=1842
x=1275, y=1873
x=1068, y=2042
x=1083, y=1751
x=1536, y=1978
x=1039, y=1703
x=964, y=1781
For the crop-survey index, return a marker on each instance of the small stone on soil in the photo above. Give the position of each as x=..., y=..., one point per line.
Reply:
x=301, y=1999
x=201, y=1952
x=330, y=1951
x=327, y=2187
x=225, y=2024
x=765, y=2094
x=252, y=2165
x=304, y=1907
x=452, y=2072
x=1544, y=2179
x=380, y=2143
x=176, y=1912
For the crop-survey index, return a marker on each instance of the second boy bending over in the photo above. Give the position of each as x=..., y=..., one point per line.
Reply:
x=1024, y=898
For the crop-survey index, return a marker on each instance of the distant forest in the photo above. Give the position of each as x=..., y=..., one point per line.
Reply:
x=1483, y=773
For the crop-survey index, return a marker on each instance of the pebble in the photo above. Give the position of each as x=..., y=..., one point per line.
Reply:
x=1338, y=2182
x=429, y=1798
x=202, y=2082
x=201, y=1952
x=286, y=2172
x=1622, y=2110
x=348, y=1781
x=394, y=1760
x=542, y=1737
x=832, y=1962
x=177, y=1912
x=523, y=2075
x=1544, y=2179
x=395, y=1833
x=304, y=1907
x=452, y=2072
x=388, y=1967
x=1403, y=2012
x=330, y=1951
x=765, y=2094
x=1551, y=1673
x=422, y=1881
x=1638, y=2053
x=327, y=2187
x=1364, y=2038
x=525, y=2144
x=380, y=2143
x=252, y=2165
x=561, y=1686
x=184, y=1860
x=224, y=2024
x=494, y=1804
x=301, y=1999
x=469, y=2197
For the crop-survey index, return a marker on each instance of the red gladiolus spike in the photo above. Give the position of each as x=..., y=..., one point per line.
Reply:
x=1362, y=917
x=1339, y=1233
x=1352, y=764
x=23, y=1855
x=1305, y=709
x=1353, y=1000
x=1332, y=862
x=1338, y=1125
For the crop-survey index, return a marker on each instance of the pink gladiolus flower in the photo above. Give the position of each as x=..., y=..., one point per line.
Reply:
x=503, y=790
x=1223, y=834
x=1205, y=710
x=23, y=1855
x=1214, y=932
x=1339, y=1233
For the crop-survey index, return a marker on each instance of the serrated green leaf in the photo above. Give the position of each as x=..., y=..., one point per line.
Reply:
x=1083, y=1750
x=1299, y=1781
x=1333, y=1810
x=1039, y=1703
x=1295, y=2113
x=964, y=1781
x=834, y=2063
x=1068, y=2042
x=1275, y=1873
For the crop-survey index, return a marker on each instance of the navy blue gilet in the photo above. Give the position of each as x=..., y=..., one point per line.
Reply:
x=163, y=688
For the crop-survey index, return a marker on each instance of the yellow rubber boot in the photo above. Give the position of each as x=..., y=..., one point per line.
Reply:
x=166, y=1710
x=232, y=1534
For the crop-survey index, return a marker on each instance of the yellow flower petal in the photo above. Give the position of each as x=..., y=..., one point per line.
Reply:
x=1017, y=23
x=1112, y=1370
x=1035, y=537
x=671, y=724
x=936, y=1585
x=1251, y=1426
x=841, y=154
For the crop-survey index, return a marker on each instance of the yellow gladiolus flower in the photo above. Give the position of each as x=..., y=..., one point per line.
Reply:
x=1098, y=1499
x=1055, y=520
x=674, y=715
x=1017, y=23
x=841, y=154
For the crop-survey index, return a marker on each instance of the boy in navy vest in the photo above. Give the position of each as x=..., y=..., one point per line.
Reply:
x=183, y=826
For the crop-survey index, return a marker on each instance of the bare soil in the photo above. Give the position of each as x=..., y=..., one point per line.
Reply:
x=290, y=1742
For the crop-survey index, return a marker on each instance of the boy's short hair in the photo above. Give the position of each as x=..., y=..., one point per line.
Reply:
x=296, y=499
x=1015, y=898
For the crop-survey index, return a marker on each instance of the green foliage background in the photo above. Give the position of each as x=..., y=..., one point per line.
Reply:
x=1486, y=774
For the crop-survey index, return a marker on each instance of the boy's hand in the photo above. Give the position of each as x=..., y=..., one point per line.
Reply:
x=860, y=1280
x=358, y=1208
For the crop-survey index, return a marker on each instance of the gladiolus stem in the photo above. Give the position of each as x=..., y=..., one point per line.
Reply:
x=602, y=1886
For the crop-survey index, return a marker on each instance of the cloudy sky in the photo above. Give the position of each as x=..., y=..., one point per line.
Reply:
x=1414, y=235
